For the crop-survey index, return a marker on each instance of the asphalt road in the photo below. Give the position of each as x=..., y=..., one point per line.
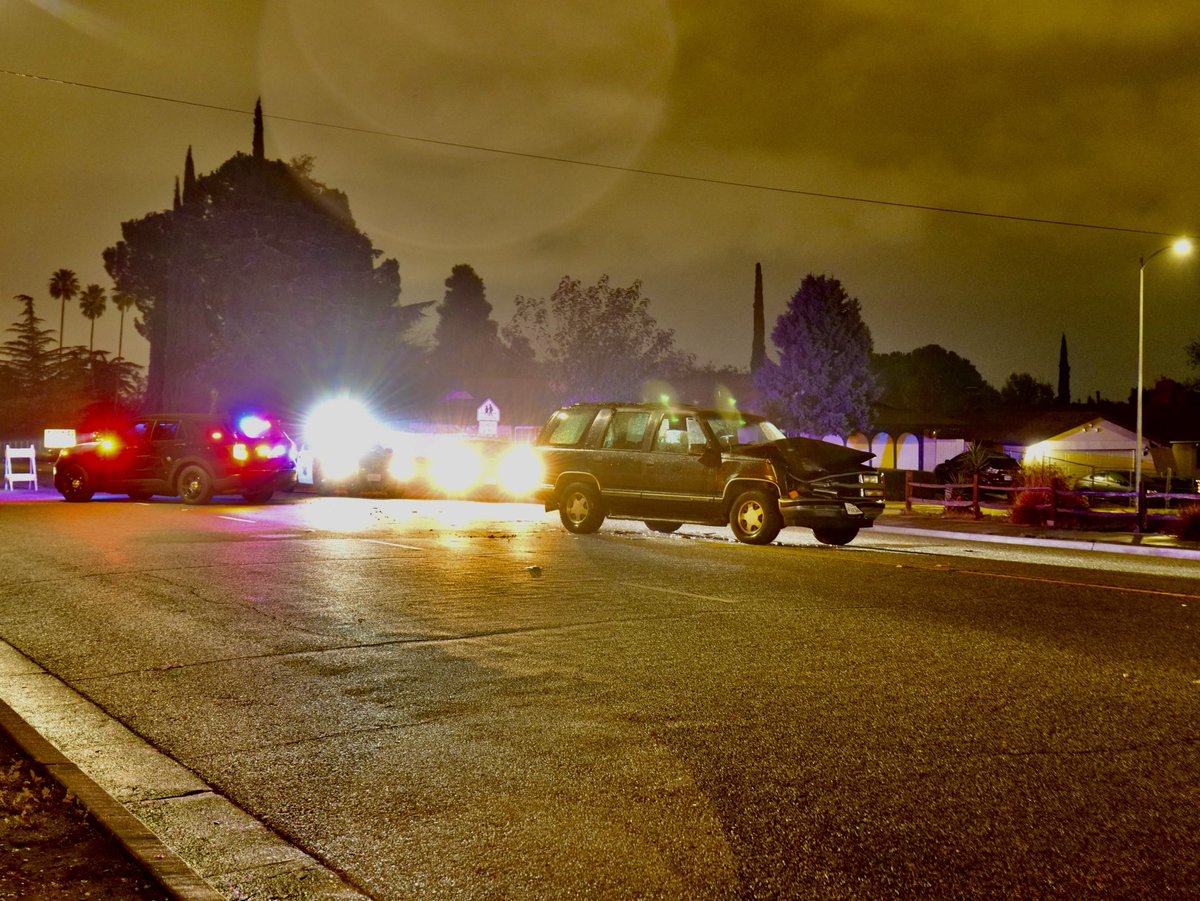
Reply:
x=454, y=700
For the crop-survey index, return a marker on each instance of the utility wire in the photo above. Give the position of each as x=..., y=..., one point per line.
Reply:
x=612, y=167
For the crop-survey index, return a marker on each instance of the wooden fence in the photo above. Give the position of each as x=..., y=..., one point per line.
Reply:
x=1136, y=509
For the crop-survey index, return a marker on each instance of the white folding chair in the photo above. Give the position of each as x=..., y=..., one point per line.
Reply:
x=25, y=471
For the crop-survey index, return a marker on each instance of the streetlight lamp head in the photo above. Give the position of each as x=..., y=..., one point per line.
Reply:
x=1183, y=247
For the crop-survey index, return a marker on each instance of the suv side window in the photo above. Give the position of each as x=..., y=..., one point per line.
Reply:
x=626, y=430
x=138, y=432
x=672, y=436
x=165, y=430
x=569, y=427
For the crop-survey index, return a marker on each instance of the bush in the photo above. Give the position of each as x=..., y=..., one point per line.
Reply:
x=1187, y=524
x=1028, y=508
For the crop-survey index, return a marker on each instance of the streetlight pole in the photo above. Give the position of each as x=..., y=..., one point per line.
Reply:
x=1182, y=247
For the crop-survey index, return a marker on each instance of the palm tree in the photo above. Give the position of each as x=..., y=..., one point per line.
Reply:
x=122, y=302
x=92, y=303
x=63, y=286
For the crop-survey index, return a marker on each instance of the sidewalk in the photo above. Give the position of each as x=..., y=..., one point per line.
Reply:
x=998, y=530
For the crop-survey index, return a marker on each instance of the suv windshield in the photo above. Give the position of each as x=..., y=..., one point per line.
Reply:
x=733, y=430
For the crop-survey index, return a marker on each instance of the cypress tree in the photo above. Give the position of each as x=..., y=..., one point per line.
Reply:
x=259, y=150
x=189, y=177
x=758, y=349
x=1064, y=374
x=177, y=203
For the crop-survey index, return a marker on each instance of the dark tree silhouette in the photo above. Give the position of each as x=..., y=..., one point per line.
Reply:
x=932, y=381
x=123, y=303
x=92, y=303
x=1064, y=374
x=258, y=150
x=1023, y=392
x=260, y=289
x=822, y=383
x=758, y=348
x=466, y=337
x=64, y=286
x=27, y=369
x=597, y=342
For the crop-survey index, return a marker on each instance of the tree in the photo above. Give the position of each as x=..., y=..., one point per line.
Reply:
x=822, y=383
x=258, y=150
x=63, y=287
x=92, y=303
x=1023, y=391
x=260, y=289
x=28, y=368
x=123, y=302
x=597, y=342
x=758, y=346
x=933, y=382
x=466, y=337
x=1064, y=374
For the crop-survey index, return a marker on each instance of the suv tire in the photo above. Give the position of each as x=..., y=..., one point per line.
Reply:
x=76, y=484
x=579, y=508
x=661, y=525
x=835, y=537
x=195, y=485
x=754, y=517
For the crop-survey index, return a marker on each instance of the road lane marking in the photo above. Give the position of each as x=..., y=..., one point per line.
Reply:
x=407, y=547
x=235, y=518
x=1041, y=580
x=685, y=594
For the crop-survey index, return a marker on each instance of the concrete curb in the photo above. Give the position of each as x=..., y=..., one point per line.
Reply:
x=160, y=862
x=1111, y=547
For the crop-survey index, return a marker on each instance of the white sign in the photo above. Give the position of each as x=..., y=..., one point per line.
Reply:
x=488, y=412
x=488, y=416
x=52, y=439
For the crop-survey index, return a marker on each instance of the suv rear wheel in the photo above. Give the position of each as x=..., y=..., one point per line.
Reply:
x=755, y=518
x=579, y=508
x=195, y=485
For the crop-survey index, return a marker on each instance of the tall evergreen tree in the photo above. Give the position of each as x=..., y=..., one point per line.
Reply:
x=758, y=349
x=259, y=150
x=466, y=337
x=63, y=287
x=822, y=383
x=266, y=293
x=1064, y=374
x=189, y=177
x=27, y=367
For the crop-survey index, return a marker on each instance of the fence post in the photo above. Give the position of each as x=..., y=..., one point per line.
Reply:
x=908, y=491
x=1052, y=518
x=975, y=496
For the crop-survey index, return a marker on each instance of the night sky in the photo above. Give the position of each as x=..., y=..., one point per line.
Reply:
x=1080, y=112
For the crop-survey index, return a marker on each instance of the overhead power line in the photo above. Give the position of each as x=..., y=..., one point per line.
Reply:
x=612, y=167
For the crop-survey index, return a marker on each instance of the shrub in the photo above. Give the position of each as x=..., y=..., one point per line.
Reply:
x=1028, y=508
x=1187, y=524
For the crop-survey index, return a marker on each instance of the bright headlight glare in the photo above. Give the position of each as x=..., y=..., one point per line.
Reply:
x=519, y=471
x=403, y=465
x=456, y=468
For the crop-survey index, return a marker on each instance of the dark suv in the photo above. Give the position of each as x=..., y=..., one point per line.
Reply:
x=676, y=464
x=185, y=455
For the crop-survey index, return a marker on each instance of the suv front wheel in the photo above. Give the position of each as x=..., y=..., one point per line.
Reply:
x=579, y=508
x=755, y=518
